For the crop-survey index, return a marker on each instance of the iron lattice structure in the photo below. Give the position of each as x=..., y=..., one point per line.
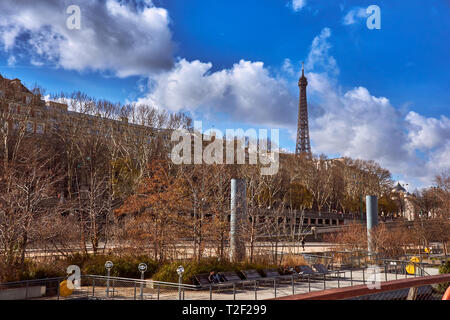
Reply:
x=303, y=145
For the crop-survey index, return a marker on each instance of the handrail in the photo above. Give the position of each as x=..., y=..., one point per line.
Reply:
x=139, y=281
x=31, y=280
x=361, y=290
x=162, y=283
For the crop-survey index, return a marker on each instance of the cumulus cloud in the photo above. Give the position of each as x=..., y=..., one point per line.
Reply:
x=358, y=124
x=142, y=47
x=247, y=91
x=298, y=5
x=427, y=133
x=319, y=57
x=354, y=15
x=11, y=61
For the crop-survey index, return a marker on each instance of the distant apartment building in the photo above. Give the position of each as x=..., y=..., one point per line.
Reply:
x=22, y=107
x=40, y=116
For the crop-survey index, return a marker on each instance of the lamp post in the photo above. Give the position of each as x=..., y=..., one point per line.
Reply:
x=180, y=271
x=142, y=268
x=108, y=266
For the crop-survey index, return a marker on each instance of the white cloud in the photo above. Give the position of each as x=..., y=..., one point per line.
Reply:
x=358, y=124
x=427, y=133
x=11, y=61
x=319, y=56
x=287, y=67
x=144, y=46
x=246, y=92
x=354, y=15
x=298, y=5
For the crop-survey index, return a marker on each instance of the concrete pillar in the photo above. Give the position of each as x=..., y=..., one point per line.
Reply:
x=238, y=217
x=371, y=218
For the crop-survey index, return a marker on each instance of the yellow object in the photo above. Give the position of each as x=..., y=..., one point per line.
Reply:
x=410, y=267
x=64, y=291
x=427, y=250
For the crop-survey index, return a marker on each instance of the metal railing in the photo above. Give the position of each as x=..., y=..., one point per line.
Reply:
x=116, y=288
x=420, y=288
x=110, y=288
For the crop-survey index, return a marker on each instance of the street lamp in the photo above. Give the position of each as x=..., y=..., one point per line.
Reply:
x=142, y=268
x=180, y=271
x=108, y=266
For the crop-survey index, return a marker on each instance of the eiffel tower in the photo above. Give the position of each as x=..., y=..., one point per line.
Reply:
x=303, y=146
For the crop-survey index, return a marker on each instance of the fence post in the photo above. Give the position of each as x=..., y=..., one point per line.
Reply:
x=107, y=285
x=396, y=271
x=324, y=286
x=114, y=286
x=256, y=295
x=275, y=287
x=339, y=277
x=364, y=278
x=309, y=283
x=293, y=286
x=234, y=291
x=26, y=291
x=385, y=272
x=57, y=290
x=93, y=287
x=351, y=276
x=135, y=290
x=158, y=290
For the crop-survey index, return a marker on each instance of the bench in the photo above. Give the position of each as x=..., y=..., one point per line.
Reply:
x=320, y=268
x=203, y=281
x=274, y=273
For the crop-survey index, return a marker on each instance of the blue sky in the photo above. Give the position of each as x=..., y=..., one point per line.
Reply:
x=401, y=71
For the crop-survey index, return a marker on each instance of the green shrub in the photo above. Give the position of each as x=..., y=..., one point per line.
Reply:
x=33, y=270
x=168, y=273
x=124, y=266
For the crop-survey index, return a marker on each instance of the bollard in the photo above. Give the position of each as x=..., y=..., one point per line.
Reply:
x=158, y=292
x=256, y=294
x=210, y=292
x=364, y=279
x=234, y=291
x=134, y=290
x=93, y=287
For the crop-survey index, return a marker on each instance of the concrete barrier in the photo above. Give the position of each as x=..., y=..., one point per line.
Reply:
x=22, y=293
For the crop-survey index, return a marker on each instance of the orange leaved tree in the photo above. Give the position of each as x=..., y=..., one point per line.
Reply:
x=154, y=214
